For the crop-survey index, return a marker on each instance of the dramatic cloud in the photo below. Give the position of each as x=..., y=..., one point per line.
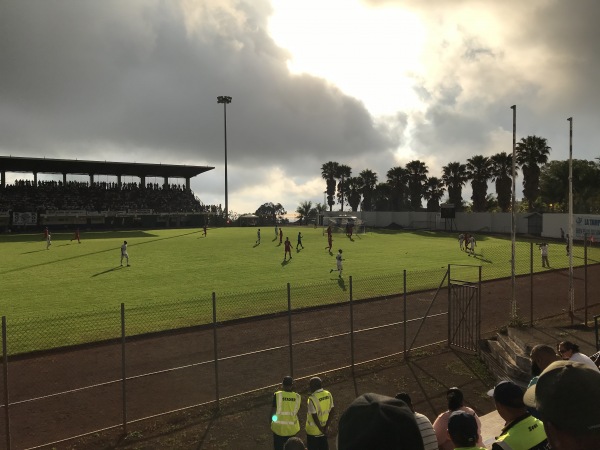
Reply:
x=138, y=81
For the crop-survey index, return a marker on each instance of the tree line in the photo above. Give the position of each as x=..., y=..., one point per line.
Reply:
x=545, y=184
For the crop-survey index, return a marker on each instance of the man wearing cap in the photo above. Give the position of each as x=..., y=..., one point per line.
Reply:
x=284, y=414
x=463, y=431
x=522, y=431
x=318, y=416
x=567, y=396
x=374, y=421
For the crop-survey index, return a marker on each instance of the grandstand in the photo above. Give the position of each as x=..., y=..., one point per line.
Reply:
x=30, y=203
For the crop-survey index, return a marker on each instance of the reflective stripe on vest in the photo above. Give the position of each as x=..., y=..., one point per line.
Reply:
x=322, y=402
x=527, y=434
x=286, y=422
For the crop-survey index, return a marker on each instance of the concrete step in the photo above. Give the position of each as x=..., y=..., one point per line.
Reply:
x=508, y=364
x=518, y=355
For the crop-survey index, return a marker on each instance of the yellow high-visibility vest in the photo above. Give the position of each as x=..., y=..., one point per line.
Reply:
x=285, y=421
x=323, y=401
x=526, y=434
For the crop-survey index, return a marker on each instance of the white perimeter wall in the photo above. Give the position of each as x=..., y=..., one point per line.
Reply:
x=481, y=222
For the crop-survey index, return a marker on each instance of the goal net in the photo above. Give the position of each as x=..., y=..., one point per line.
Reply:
x=344, y=224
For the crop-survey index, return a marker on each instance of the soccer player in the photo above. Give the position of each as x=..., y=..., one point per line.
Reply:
x=258, y=236
x=204, y=230
x=46, y=233
x=461, y=241
x=330, y=242
x=299, y=241
x=472, y=245
x=48, y=240
x=280, y=235
x=124, y=253
x=76, y=236
x=288, y=249
x=338, y=260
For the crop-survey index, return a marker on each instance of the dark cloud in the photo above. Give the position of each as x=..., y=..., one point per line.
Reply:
x=138, y=80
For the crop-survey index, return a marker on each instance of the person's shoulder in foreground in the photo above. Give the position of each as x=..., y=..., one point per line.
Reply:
x=374, y=421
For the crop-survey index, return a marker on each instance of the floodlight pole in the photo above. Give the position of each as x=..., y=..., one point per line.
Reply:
x=225, y=100
x=570, y=242
x=513, y=220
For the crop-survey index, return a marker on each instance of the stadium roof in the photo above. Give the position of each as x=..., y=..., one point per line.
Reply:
x=82, y=167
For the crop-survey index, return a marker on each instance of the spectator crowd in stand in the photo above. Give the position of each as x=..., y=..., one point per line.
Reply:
x=48, y=196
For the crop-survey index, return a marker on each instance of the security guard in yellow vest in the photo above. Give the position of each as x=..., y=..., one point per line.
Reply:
x=318, y=416
x=284, y=414
x=522, y=431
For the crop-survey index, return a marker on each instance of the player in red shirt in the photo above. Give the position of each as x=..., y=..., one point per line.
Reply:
x=280, y=235
x=288, y=249
x=76, y=236
x=330, y=242
x=46, y=232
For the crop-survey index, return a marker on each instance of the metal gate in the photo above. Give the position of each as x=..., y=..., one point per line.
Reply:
x=464, y=308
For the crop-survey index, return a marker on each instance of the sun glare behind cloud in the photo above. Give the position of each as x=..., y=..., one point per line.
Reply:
x=369, y=53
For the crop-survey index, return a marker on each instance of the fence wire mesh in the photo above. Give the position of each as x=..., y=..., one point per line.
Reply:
x=175, y=356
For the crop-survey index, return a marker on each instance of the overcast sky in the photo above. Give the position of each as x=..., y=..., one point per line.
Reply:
x=372, y=84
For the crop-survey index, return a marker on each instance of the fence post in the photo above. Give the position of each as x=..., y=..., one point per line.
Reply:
x=585, y=279
x=404, y=313
x=531, y=284
x=289, y=300
x=479, y=306
x=214, y=305
x=351, y=328
x=123, y=373
x=449, y=307
x=5, y=370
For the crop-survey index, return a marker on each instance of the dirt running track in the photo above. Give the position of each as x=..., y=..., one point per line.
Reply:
x=51, y=418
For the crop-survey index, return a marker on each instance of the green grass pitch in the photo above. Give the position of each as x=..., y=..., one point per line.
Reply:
x=174, y=272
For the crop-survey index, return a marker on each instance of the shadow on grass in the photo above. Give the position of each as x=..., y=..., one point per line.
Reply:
x=34, y=251
x=341, y=283
x=107, y=271
x=112, y=249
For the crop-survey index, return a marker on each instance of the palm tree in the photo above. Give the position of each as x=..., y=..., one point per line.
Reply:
x=434, y=191
x=417, y=176
x=343, y=173
x=501, y=171
x=479, y=170
x=303, y=210
x=382, y=197
x=455, y=176
x=532, y=152
x=328, y=172
x=398, y=182
x=368, y=181
x=352, y=187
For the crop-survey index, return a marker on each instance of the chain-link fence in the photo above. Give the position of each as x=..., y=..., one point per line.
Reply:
x=79, y=374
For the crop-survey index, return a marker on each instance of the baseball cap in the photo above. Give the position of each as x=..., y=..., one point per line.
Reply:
x=374, y=421
x=288, y=381
x=462, y=424
x=509, y=394
x=567, y=394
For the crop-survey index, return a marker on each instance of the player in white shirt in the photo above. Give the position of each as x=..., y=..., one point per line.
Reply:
x=124, y=253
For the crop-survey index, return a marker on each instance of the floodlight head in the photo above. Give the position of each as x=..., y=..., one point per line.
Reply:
x=223, y=99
